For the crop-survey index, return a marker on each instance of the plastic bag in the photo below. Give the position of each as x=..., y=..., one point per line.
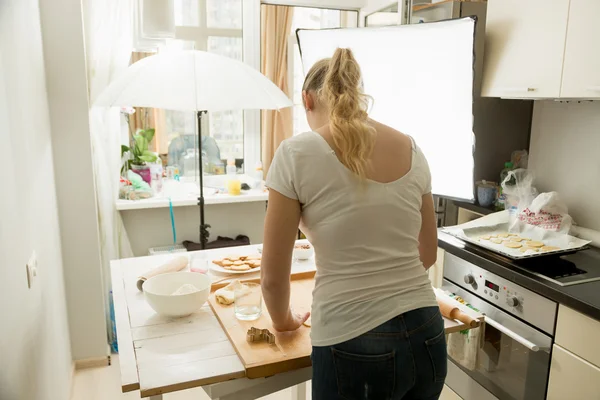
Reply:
x=547, y=211
x=519, y=190
x=526, y=207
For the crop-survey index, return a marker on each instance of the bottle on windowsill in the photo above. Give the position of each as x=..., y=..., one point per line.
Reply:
x=259, y=182
x=234, y=185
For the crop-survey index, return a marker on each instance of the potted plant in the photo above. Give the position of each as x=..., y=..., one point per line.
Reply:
x=139, y=155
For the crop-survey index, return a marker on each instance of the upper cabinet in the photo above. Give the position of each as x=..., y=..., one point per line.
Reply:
x=524, y=47
x=581, y=69
x=542, y=49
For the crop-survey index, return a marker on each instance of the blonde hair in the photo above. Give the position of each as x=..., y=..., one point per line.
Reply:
x=337, y=83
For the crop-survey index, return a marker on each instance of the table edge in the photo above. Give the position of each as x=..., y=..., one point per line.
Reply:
x=123, y=329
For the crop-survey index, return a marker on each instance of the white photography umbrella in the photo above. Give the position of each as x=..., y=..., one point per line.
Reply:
x=193, y=80
x=197, y=81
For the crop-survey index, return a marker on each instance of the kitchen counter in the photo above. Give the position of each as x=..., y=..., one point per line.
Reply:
x=584, y=297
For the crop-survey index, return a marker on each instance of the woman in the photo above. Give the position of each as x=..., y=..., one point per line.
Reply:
x=362, y=194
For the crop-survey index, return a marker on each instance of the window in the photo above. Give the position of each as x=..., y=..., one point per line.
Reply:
x=214, y=26
x=310, y=18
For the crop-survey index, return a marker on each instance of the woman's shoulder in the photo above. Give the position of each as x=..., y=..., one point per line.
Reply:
x=305, y=142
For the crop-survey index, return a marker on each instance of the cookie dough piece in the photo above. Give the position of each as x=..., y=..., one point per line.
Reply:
x=240, y=268
x=550, y=248
x=496, y=241
x=233, y=258
x=513, y=245
x=218, y=262
x=535, y=244
x=485, y=237
x=524, y=249
x=503, y=235
x=226, y=263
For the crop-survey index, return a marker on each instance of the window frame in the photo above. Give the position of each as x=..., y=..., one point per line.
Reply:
x=200, y=35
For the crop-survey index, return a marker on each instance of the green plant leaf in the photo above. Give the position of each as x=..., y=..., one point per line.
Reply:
x=141, y=145
x=151, y=158
x=148, y=134
x=148, y=156
x=124, y=149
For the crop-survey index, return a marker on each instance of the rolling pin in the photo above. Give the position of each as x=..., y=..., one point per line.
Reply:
x=449, y=310
x=175, y=265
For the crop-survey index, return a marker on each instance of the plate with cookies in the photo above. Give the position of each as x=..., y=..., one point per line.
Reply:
x=237, y=264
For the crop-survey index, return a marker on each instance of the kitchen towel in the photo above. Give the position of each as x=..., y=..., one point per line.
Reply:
x=463, y=346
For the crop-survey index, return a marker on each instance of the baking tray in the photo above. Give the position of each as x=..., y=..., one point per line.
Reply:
x=498, y=223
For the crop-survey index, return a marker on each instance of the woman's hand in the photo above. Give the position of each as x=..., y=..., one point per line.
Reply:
x=292, y=322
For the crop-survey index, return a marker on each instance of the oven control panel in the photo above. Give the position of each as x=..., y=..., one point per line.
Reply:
x=515, y=299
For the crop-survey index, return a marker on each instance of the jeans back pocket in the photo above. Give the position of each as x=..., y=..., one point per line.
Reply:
x=436, y=347
x=365, y=377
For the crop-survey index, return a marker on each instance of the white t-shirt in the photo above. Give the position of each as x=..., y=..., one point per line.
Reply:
x=365, y=237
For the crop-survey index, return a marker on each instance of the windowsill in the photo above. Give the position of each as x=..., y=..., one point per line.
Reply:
x=191, y=200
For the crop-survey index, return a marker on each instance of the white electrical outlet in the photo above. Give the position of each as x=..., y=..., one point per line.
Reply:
x=31, y=269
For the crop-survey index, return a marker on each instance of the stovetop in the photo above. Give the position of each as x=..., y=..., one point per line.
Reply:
x=566, y=270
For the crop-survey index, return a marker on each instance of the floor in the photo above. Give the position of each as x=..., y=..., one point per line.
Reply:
x=104, y=383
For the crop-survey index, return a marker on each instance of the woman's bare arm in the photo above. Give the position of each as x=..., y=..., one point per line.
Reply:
x=428, y=234
x=281, y=228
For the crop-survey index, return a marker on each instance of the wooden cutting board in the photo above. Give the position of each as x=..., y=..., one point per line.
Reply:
x=292, y=349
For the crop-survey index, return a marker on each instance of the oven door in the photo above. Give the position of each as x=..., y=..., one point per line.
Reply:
x=512, y=361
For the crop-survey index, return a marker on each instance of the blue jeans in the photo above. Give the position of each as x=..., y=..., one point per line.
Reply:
x=404, y=358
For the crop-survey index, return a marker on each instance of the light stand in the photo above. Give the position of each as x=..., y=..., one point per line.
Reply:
x=204, y=234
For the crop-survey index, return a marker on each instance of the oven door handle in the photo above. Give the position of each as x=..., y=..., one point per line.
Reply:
x=518, y=338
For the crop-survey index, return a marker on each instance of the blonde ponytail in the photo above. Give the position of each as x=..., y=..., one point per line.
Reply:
x=337, y=82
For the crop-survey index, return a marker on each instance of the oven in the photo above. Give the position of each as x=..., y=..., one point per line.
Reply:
x=512, y=358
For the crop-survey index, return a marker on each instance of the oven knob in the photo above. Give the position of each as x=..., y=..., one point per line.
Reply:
x=512, y=301
x=469, y=279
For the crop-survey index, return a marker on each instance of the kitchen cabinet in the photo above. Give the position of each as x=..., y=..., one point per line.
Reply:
x=579, y=334
x=571, y=377
x=581, y=69
x=539, y=49
x=524, y=48
x=575, y=365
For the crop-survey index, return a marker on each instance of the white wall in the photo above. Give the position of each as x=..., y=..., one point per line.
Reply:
x=35, y=361
x=565, y=156
x=66, y=76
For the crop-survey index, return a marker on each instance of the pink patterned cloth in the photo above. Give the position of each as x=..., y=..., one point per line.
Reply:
x=542, y=219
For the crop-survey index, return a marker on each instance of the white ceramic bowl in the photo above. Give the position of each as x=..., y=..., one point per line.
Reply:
x=158, y=292
x=303, y=254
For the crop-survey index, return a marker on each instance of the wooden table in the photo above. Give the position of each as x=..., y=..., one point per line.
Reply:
x=160, y=355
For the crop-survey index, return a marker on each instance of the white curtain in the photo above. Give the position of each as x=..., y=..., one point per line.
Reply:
x=109, y=41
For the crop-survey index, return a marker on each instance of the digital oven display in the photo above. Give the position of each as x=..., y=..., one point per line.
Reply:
x=492, y=286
